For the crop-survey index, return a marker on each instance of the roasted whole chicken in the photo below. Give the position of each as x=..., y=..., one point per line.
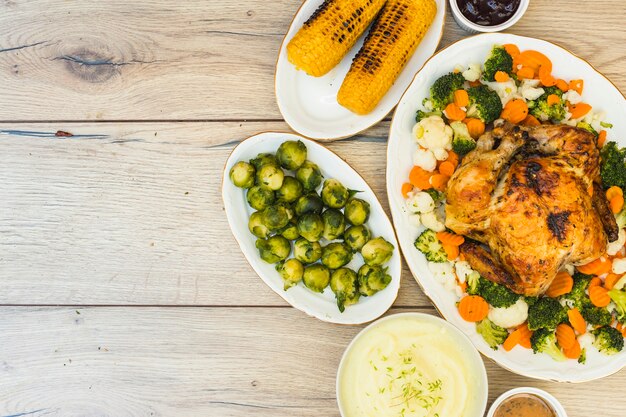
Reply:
x=531, y=199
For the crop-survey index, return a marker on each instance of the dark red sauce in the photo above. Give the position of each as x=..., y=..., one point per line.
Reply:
x=488, y=12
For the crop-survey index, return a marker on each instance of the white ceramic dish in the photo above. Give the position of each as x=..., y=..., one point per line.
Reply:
x=323, y=306
x=546, y=396
x=599, y=92
x=463, y=347
x=472, y=27
x=309, y=104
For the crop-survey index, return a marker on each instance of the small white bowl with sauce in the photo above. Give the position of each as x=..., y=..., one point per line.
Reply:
x=526, y=402
x=411, y=364
x=500, y=23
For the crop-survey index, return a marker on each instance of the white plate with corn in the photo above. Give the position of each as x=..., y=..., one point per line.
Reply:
x=338, y=87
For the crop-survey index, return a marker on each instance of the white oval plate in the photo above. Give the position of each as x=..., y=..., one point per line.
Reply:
x=598, y=91
x=322, y=306
x=309, y=104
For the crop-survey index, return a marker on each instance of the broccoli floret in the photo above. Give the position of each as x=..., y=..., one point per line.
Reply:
x=596, y=316
x=429, y=245
x=613, y=168
x=544, y=340
x=493, y=334
x=499, y=60
x=609, y=340
x=546, y=313
x=619, y=298
x=473, y=281
x=530, y=300
x=577, y=295
x=434, y=194
x=421, y=114
x=442, y=90
x=462, y=142
x=587, y=127
x=485, y=104
x=542, y=111
x=583, y=356
x=497, y=295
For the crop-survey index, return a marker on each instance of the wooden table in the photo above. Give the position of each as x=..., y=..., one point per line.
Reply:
x=122, y=290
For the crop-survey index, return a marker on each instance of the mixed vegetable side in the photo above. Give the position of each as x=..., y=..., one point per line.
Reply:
x=283, y=189
x=584, y=306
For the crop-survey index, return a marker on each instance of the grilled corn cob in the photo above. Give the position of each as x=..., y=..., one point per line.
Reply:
x=329, y=34
x=390, y=44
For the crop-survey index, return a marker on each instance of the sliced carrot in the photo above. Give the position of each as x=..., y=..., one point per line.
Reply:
x=476, y=127
x=439, y=182
x=553, y=99
x=461, y=98
x=462, y=285
x=473, y=308
x=501, y=76
x=546, y=79
x=619, y=326
x=515, y=111
x=533, y=59
x=511, y=49
x=525, y=72
x=576, y=85
x=530, y=120
x=613, y=192
x=475, y=83
x=578, y=110
x=451, y=250
x=562, y=284
x=446, y=168
x=562, y=85
x=577, y=321
x=565, y=336
x=599, y=296
x=593, y=282
x=596, y=267
x=454, y=112
x=525, y=334
x=616, y=204
x=406, y=189
x=450, y=238
x=610, y=280
x=601, y=138
x=453, y=158
x=512, y=340
x=420, y=178
x=574, y=351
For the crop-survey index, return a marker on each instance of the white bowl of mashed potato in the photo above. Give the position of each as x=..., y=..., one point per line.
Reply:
x=411, y=365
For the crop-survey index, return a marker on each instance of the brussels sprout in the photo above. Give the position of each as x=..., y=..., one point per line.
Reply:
x=275, y=217
x=357, y=211
x=334, y=224
x=290, y=232
x=288, y=207
x=291, y=154
x=264, y=159
x=377, y=251
x=311, y=227
x=270, y=177
x=307, y=252
x=344, y=283
x=274, y=249
x=290, y=191
x=372, y=279
x=310, y=203
x=242, y=174
x=309, y=175
x=291, y=272
x=334, y=194
x=356, y=236
x=257, y=227
x=316, y=277
x=260, y=198
x=336, y=255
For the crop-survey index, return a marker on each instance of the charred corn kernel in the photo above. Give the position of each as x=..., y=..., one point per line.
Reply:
x=391, y=42
x=329, y=34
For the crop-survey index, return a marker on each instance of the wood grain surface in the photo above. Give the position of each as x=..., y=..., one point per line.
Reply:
x=122, y=290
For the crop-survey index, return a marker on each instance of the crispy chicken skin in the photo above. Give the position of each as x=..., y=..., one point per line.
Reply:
x=526, y=193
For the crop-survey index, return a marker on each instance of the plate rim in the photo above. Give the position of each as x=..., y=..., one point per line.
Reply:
x=340, y=137
x=489, y=356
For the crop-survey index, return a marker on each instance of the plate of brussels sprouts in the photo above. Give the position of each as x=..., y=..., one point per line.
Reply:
x=311, y=228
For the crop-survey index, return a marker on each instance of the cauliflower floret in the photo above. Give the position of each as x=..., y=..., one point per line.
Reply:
x=586, y=340
x=613, y=247
x=431, y=221
x=440, y=154
x=573, y=97
x=414, y=219
x=432, y=133
x=463, y=269
x=621, y=283
x=506, y=90
x=425, y=159
x=571, y=269
x=472, y=73
x=510, y=316
x=594, y=119
x=528, y=89
x=619, y=265
x=442, y=271
x=420, y=202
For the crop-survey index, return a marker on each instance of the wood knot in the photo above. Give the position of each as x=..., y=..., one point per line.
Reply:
x=91, y=66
